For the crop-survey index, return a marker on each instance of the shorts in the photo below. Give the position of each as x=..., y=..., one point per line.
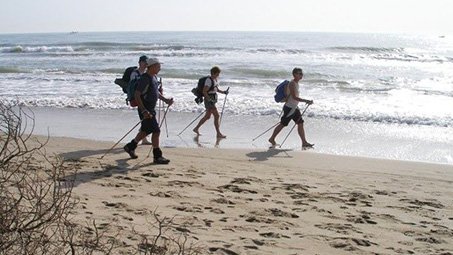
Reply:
x=291, y=114
x=210, y=104
x=149, y=125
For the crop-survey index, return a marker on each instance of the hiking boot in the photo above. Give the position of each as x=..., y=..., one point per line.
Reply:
x=161, y=160
x=130, y=151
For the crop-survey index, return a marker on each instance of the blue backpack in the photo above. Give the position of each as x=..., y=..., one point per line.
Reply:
x=280, y=92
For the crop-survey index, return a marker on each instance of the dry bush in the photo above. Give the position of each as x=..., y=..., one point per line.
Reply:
x=35, y=199
x=169, y=240
x=36, y=203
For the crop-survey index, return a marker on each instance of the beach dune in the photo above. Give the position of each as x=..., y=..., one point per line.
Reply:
x=269, y=201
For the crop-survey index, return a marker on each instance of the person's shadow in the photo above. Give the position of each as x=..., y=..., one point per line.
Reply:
x=265, y=155
x=122, y=166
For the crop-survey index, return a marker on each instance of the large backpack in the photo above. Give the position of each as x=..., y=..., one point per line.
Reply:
x=280, y=92
x=198, y=91
x=132, y=87
x=124, y=81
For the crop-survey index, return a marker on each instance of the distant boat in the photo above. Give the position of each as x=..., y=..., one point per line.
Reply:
x=73, y=32
x=442, y=36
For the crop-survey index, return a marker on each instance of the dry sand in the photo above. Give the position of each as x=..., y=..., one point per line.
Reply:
x=269, y=202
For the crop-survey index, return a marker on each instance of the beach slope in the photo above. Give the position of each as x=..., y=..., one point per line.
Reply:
x=269, y=201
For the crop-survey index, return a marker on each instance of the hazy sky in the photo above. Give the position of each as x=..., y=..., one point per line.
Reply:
x=373, y=16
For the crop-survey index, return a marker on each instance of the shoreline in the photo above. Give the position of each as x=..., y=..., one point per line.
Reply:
x=254, y=201
x=334, y=137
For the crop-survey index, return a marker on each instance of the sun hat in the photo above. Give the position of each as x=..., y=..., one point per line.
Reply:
x=152, y=61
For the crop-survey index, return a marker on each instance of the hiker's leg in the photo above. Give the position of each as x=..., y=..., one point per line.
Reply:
x=284, y=121
x=155, y=139
x=144, y=140
x=301, y=131
x=148, y=126
x=216, y=123
x=206, y=117
x=140, y=136
x=275, y=133
x=132, y=145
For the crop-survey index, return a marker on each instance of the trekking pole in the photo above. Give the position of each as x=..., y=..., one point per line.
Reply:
x=164, y=119
x=294, y=125
x=223, y=107
x=191, y=123
x=158, y=113
x=166, y=126
x=269, y=128
x=160, y=101
x=122, y=138
x=266, y=131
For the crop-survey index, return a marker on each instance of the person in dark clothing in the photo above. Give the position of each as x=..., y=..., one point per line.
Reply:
x=146, y=96
x=141, y=69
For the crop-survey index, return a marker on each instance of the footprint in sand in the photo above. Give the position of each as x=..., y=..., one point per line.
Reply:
x=338, y=228
x=223, y=201
x=221, y=251
x=183, y=208
x=208, y=223
x=151, y=175
x=183, y=184
x=433, y=203
x=115, y=205
x=361, y=219
x=357, y=199
x=217, y=211
x=273, y=235
x=349, y=244
x=165, y=194
x=279, y=213
x=431, y=240
x=247, y=180
x=253, y=219
x=259, y=242
x=236, y=189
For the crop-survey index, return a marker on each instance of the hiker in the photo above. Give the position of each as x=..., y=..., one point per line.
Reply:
x=291, y=110
x=211, y=87
x=135, y=75
x=146, y=96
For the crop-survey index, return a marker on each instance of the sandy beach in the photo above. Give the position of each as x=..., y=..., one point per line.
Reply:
x=255, y=201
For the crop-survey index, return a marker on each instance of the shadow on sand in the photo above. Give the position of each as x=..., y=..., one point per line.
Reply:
x=122, y=166
x=265, y=155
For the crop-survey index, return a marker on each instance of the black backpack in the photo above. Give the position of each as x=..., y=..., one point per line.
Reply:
x=124, y=81
x=198, y=91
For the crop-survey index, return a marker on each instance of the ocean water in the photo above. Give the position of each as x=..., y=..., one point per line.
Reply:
x=401, y=83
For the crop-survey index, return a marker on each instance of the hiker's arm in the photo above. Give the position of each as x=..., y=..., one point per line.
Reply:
x=223, y=91
x=168, y=101
x=138, y=100
x=292, y=93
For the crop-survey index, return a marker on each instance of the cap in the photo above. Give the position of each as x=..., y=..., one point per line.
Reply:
x=143, y=58
x=152, y=61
